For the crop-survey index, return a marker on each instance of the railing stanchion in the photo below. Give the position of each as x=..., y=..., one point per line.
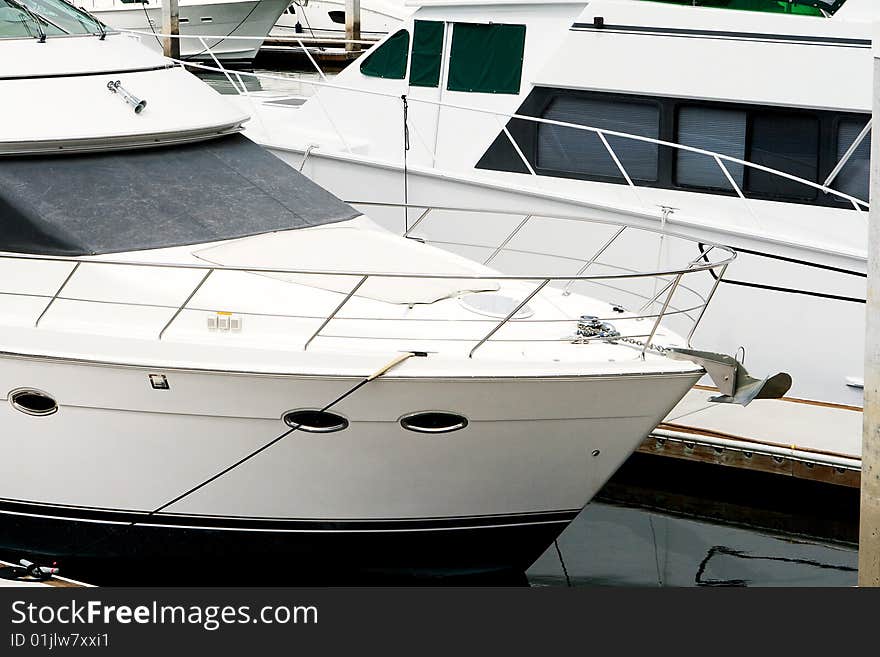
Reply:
x=418, y=221
x=706, y=303
x=57, y=293
x=312, y=60
x=511, y=314
x=660, y=314
x=217, y=62
x=330, y=317
x=621, y=168
x=589, y=263
x=185, y=302
x=507, y=240
x=516, y=147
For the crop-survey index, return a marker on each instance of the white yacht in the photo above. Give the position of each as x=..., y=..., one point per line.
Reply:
x=325, y=19
x=744, y=122
x=205, y=354
x=221, y=24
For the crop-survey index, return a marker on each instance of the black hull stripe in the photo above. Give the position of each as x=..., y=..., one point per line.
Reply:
x=237, y=523
x=719, y=34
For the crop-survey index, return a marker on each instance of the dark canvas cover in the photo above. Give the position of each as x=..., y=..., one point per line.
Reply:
x=152, y=198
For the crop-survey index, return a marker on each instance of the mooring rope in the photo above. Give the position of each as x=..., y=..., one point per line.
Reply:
x=397, y=360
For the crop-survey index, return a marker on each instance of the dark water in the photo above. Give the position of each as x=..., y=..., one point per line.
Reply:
x=618, y=546
x=658, y=522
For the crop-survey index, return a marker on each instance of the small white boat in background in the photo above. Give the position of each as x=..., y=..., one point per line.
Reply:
x=325, y=19
x=205, y=354
x=205, y=18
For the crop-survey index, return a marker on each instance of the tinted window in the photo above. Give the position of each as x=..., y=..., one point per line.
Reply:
x=486, y=58
x=854, y=178
x=427, y=53
x=784, y=142
x=716, y=130
x=579, y=151
x=388, y=60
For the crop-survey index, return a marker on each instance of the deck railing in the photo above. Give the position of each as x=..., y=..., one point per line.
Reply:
x=721, y=160
x=674, y=293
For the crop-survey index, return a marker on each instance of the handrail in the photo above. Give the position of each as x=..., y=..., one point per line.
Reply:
x=857, y=203
x=711, y=259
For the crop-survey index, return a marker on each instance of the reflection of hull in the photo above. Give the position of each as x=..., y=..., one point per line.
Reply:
x=240, y=19
x=664, y=550
x=315, y=20
x=492, y=495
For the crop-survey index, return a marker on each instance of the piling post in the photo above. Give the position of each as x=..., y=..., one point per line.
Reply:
x=170, y=29
x=869, y=515
x=352, y=25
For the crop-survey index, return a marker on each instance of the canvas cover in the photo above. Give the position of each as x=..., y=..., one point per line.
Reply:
x=118, y=201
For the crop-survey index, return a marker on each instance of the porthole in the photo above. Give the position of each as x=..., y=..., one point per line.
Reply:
x=433, y=422
x=33, y=402
x=315, y=421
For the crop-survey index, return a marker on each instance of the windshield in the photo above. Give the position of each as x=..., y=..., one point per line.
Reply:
x=805, y=7
x=34, y=18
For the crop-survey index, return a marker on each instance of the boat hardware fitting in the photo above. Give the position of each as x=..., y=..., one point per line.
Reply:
x=136, y=103
x=590, y=326
x=731, y=377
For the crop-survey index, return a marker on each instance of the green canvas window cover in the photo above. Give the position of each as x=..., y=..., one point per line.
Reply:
x=427, y=54
x=388, y=60
x=804, y=7
x=486, y=58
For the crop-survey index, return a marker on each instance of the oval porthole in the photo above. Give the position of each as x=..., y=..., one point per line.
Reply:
x=32, y=402
x=315, y=421
x=433, y=422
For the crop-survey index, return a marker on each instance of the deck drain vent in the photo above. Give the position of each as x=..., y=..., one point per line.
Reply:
x=33, y=402
x=315, y=421
x=433, y=422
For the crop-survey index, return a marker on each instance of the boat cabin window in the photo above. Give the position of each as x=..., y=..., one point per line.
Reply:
x=29, y=18
x=427, y=54
x=807, y=144
x=710, y=129
x=389, y=59
x=486, y=58
x=854, y=177
x=803, y=7
x=567, y=149
x=784, y=142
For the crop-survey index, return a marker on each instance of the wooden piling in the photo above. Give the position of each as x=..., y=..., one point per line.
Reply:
x=170, y=29
x=869, y=516
x=352, y=24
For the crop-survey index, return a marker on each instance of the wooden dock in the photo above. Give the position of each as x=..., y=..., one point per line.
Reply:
x=329, y=53
x=833, y=456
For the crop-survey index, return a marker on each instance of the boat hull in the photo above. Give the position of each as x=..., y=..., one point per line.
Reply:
x=490, y=496
x=426, y=547
x=781, y=339
x=250, y=18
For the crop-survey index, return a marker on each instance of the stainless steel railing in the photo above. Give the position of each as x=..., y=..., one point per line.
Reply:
x=676, y=294
x=721, y=160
